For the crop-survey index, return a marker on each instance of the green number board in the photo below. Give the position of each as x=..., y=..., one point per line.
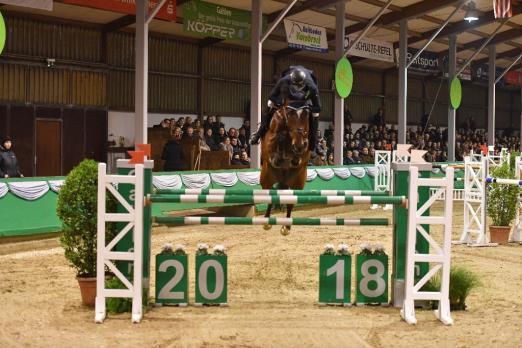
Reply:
x=172, y=279
x=372, y=279
x=335, y=279
x=211, y=279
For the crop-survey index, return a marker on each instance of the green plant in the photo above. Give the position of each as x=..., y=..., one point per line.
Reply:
x=462, y=282
x=502, y=200
x=512, y=158
x=117, y=304
x=77, y=209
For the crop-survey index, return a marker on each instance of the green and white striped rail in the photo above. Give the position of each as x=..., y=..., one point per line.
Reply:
x=261, y=192
x=264, y=199
x=197, y=220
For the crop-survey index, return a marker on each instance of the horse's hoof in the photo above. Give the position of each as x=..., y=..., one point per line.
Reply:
x=267, y=227
x=285, y=231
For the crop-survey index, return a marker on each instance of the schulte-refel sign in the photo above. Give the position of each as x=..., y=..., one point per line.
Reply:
x=371, y=49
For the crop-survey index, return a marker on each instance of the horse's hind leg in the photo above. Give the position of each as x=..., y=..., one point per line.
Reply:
x=267, y=215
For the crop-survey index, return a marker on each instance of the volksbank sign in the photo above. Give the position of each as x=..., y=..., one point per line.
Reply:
x=306, y=36
x=217, y=21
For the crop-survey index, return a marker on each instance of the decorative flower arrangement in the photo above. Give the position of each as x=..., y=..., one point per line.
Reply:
x=219, y=250
x=178, y=250
x=366, y=249
x=375, y=249
x=329, y=249
x=342, y=249
x=378, y=249
x=202, y=249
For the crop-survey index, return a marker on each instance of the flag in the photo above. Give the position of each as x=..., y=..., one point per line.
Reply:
x=503, y=8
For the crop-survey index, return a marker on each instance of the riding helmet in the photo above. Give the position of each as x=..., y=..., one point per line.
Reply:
x=298, y=76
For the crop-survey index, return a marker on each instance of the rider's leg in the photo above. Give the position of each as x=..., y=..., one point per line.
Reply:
x=314, y=126
x=263, y=127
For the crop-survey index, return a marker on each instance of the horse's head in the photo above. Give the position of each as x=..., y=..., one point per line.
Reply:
x=289, y=142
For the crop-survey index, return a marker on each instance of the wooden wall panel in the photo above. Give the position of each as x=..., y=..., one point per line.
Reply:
x=22, y=132
x=73, y=138
x=3, y=121
x=96, y=135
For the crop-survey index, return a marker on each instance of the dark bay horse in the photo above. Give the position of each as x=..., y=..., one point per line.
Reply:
x=285, y=153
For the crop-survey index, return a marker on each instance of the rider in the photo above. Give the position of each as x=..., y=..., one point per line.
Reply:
x=299, y=85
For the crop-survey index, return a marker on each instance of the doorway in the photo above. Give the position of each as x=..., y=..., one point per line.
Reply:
x=48, y=151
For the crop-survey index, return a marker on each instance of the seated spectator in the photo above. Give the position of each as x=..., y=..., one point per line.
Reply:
x=209, y=140
x=208, y=122
x=188, y=123
x=244, y=158
x=189, y=134
x=220, y=136
x=330, y=160
x=236, y=160
x=226, y=146
x=181, y=122
x=163, y=124
x=196, y=124
x=9, y=167
x=203, y=146
x=173, y=153
x=355, y=156
x=366, y=158
x=348, y=159
x=235, y=145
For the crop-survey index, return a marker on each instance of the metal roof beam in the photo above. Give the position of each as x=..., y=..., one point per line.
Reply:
x=119, y=23
x=307, y=5
x=412, y=11
x=499, y=38
x=486, y=18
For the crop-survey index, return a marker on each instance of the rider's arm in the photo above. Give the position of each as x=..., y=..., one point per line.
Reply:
x=275, y=94
x=316, y=101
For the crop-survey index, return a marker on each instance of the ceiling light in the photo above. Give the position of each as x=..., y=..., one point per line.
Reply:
x=471, y=13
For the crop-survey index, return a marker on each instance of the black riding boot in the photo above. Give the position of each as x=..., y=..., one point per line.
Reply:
x=314, y=126
x=263, y=127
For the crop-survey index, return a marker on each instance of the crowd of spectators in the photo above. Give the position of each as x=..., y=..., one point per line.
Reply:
x=212, y=136
x=359, y=144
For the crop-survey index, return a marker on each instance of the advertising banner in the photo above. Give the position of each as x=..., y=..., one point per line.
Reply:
x=167, y=12
x=371, y=49
x=211, y=20
x=306, y=36
x=38, y=4
x=513, y=77
x=426, y=63
x=481, y=74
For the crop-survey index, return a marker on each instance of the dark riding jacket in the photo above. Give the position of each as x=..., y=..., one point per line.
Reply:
x=309, y=95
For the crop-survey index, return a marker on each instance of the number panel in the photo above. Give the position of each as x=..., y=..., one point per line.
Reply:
x=335, y=279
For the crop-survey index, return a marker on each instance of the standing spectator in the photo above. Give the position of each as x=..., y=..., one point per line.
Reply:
x=243, y=137
x=163, y=124
x=173, y=153
x=378, y=118
x=9, y=167
x=188, y=123
x=181, y=122
x=208, y=122
x=189, y=133
x=203, y=146
x=246, y=127
x=217, y=124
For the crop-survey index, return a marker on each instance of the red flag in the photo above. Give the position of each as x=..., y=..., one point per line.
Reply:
x=145, y=148
x=137, y=157
x=502, y=8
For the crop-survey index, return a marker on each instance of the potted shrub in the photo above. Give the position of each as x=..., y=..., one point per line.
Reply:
x=462, y=282
x=502, y=203
x=77, y=209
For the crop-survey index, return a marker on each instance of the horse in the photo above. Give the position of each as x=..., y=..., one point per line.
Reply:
x=285, y=153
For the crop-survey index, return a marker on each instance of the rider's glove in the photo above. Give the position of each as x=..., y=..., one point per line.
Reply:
x=315, y=114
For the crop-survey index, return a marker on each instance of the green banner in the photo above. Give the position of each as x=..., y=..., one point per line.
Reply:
x=211, y=20
x=2, y=33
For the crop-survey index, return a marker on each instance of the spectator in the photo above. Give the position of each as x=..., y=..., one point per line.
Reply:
x=181, y=122
x=330, y=160
x=244, y=158
x=163, y=124
x=236, y=147
x=209, y=140
x=236, y=160
x=220, y=136
x=366, y=158
x=188, y=134
x=246, y=127
x=217, y=124
x=203, y=146
x=355, y=156
x=173, y=153
x=378, y=118
x=187, y=123
x=9, y=167
x=226, y=146
x=348, y=159
x=243, y=137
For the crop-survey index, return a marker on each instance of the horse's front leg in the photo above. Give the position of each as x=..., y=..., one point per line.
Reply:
x=285, y=230
x=267, y=215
